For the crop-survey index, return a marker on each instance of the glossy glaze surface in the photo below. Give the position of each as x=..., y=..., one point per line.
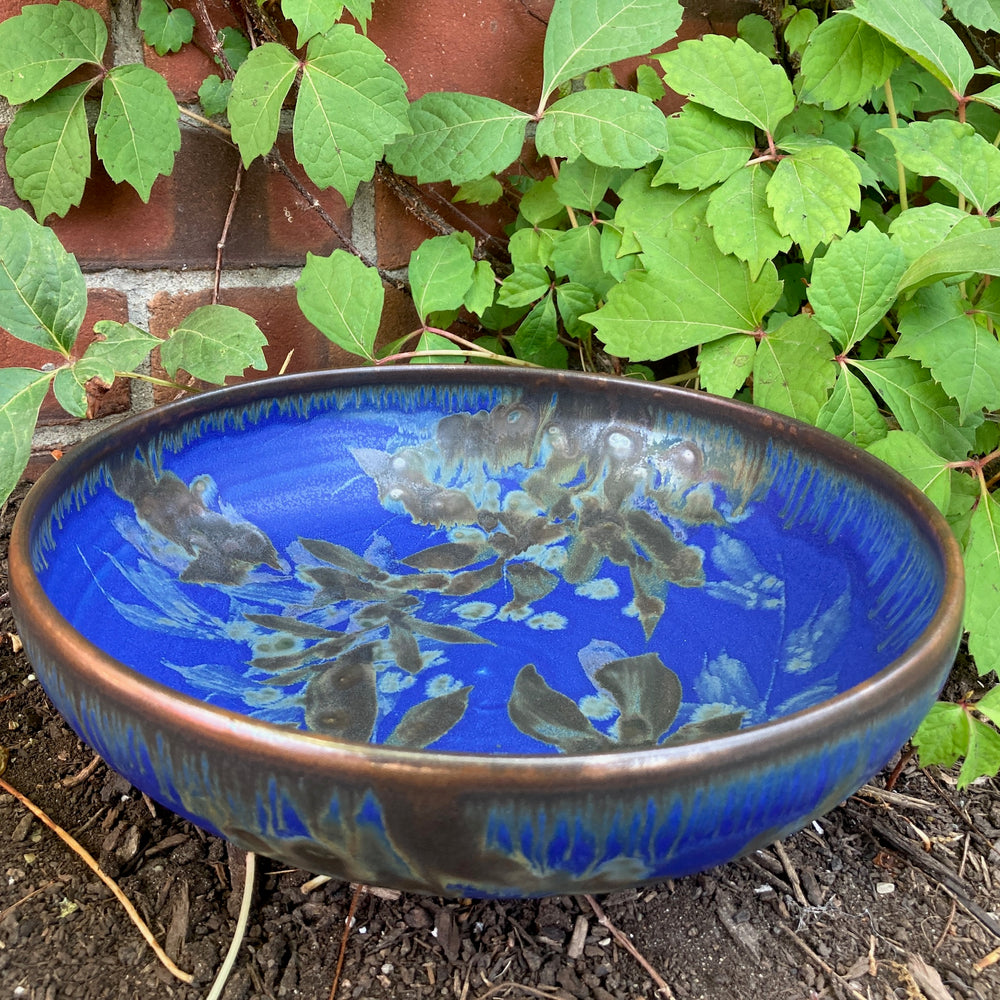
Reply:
x=488, y=580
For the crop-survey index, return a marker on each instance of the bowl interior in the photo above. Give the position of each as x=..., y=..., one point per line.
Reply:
x=487, y=568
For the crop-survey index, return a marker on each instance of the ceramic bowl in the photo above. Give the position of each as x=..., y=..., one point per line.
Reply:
x=478, y=632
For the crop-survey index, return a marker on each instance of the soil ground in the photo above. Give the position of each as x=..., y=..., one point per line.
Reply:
x=895, y=894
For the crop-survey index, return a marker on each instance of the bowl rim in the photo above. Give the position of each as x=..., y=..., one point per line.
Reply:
x=852, y=709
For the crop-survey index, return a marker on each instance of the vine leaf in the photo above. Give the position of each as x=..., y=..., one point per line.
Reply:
x=920, y=34
x=123, y=346
x=949, y=732
x=812, y=194
x=689, y=294
x=923, y=466
x=854, y=283
x=70, y=384
x=214, y=342
x=581, y=37
x=166, y=29
x=976, y=251
x=43, y=44
x=742, y=221
x=537, y=338
x=48, y=151
x=953, y=152
x=731, y=78
x=936, y=329
x=351, y=106
x=982, y=573
x=703, y=148
x=583, y=184
x=22, y=391
x=919, y=404
x=137, y=131
x=261, y=85
x=844, y=60
x=311, y=17
x=458, y=138
x=792, y=371
x=977, y=14
x=725, y=364
x=612, y=128
x=851, y=412
x=342, y=298
x=441, y=272
x=43, y=295
x=924, y=228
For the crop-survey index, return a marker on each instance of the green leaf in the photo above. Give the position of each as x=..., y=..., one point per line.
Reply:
x=361, y=11
x=943, y=736
x=573, y=300
x=953, y=152
x=537, y=338
x=235, y=47
x=576, y=254
x=485, y=191
x=648, y=211
x=742, y=222
x=793, y=371
x=165, y=29
x=982, y=584
x=351, y=106
x=936, y=329
x=441, y=272
x=919, y=404
x=922, y=35
x=844, y=61
x=978, y=252
x=458, y=138
x=44, y=43
x=854, y=284
x=43, y=295
x=482, y=291
x=812, y=194
x=524, y=285
x=22, y=391
x=851, y=412
x=310, y=17
x=982, y=14
x=48, y=151
x=982, y=756
x=213, y=343
x=259, y=90
x=213, y=95
x=648, y=82
x=531, y=246
x=123, y=346
x=923, y=228
x=342, y=298
x=989, y=705
x=725, y=364
x=428, y=341
x=137, y=131
x=70, y=384
x=758, y=32
x=703, y=148
x=923, y=466
x=540, y=203
x=582, y=184
x=798, y=30
x=612, y=128
x=729, y=77
x=582, y=36
x=690, y=294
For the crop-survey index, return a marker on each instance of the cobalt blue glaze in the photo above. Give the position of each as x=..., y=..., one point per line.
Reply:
x=486, y=634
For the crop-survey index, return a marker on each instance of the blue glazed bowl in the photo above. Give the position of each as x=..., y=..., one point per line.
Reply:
x=485, y=633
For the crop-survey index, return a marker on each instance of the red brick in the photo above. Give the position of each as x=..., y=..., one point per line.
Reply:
x=487, y=47
x=101, y=304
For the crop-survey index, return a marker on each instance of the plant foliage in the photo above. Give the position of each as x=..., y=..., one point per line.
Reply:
x=812, y=232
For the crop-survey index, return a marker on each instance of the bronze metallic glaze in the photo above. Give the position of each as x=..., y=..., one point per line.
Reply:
x=436, y=803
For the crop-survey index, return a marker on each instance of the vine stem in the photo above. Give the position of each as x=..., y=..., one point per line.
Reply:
x=207, y=122
x=502, y=359
x=890, y=107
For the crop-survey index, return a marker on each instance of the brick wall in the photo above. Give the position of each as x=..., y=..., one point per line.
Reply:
x=152, y=263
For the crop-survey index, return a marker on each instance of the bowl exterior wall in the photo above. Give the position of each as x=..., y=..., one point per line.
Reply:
x=488, y=829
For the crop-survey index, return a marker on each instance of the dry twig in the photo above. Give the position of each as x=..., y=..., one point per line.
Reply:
x=624, y=941
x=88, y=859
x=348, y=924
x=240, y=931
x=825, y=966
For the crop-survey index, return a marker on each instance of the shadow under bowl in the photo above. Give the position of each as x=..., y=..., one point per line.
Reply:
x=483, y=632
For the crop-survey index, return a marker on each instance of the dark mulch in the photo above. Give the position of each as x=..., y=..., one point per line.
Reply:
x=891, y=895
